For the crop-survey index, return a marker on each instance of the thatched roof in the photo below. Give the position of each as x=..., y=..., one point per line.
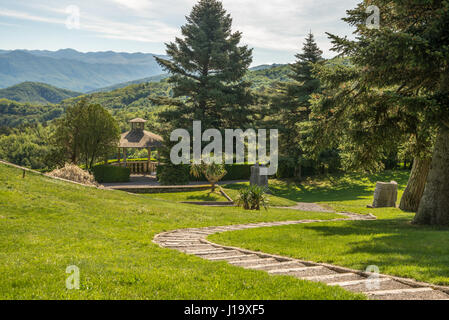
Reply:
x=140, y=139
x=138, y=120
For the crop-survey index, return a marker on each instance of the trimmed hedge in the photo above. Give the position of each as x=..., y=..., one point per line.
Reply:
x=178, y=175
x=170, y=174
x=233, y=172
x=107, y=174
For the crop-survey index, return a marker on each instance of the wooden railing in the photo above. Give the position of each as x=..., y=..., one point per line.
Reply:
x=137, y=167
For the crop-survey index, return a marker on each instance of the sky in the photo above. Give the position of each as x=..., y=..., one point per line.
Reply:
x=274, y=28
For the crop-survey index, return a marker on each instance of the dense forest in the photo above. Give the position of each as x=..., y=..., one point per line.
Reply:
x=24, y=122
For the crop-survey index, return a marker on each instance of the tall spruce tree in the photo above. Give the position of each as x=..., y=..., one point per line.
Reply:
x=291, y=106
x=207, y=66
x=398, y=84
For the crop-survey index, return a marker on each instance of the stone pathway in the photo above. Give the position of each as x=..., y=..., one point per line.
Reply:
x=381, y=287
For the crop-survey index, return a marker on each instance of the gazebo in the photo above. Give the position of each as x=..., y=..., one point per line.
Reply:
x=139, y=138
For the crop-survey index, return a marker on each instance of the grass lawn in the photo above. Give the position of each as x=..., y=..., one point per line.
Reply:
x=47, y=225
x=391, y=242
x=206, y=195
x=274, y=201
x=190, y=196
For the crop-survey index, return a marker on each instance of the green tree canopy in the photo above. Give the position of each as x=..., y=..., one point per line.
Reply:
x=207, y=67
x=397, y=85
x=86, y=133
x=290, y=103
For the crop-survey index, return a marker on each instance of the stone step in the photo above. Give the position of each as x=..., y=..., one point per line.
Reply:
x=310, y=271
x=277, y=265
x=372, y=285
x=252, y=262
x=224, y=255
x=189, y=243
x=182, y=239
x=229, y=257
x=175, y=239
x=186, y=246
x=337, y=277
x=205, y=252
x=196, y=248
x=408, y=294
x=296, y=269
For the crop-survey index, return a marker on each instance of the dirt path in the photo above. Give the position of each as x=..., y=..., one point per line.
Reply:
x=375, y=286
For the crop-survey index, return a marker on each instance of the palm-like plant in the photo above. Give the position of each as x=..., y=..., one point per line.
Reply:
x=252, y=198
x=213, y=172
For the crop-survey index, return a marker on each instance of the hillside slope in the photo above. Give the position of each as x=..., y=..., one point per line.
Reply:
x=48, y=225
x=14, y=114
x=37, y=93
x=73, y=70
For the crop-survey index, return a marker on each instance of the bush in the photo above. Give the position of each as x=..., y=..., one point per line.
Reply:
x=252, y=198
x=107, y=174
x=170, y=174
x=73, y=173
x=233, y=172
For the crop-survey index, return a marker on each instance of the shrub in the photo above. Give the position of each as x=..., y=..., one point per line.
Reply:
x=252, y=198
x=107, y=174
x=170, y=174
x=74, y=173
x=234, y=172
x=238, y=171
x=213, y=172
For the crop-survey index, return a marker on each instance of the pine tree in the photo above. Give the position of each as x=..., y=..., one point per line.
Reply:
x=291, y=105
x=397, y=86
x=207, y=66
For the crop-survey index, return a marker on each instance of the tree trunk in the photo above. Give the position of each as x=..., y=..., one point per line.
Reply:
x=434, y=206
x=416, y=184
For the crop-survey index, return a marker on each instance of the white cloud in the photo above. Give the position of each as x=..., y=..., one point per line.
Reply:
x=270, y=25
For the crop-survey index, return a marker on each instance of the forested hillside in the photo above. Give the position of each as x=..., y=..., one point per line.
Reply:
x=73, y=70
x=36, y=93
x=14, y=114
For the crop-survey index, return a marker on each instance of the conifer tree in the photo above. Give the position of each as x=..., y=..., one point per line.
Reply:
x=398, y=84
x=291, y=105
x=207, y=66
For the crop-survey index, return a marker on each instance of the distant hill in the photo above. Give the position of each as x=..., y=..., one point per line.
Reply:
x=14, y=114
x=73, y=70
x=138, y=81
x=132, y=99
x=265, y=66
x=37, y=93
x=164, y=76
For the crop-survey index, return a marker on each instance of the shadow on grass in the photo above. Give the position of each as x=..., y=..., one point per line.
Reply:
x=205, y=197
x=395, y=244
x=342, y=187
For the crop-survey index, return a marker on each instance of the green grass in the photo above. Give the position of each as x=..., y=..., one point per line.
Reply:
x=231, y=190
x=274, y=200
x=391, y=242
x=47, y=225
x=190, y=196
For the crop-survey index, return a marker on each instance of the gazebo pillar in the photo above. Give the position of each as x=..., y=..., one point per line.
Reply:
x=149, y=160
x=124, y=156
x=118, y=156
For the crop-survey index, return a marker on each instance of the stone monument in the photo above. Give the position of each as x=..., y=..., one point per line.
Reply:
x=385, y=195
x=256, y=178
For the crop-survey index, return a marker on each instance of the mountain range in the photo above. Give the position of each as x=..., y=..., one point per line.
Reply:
x=73, y=70
x=37, y=93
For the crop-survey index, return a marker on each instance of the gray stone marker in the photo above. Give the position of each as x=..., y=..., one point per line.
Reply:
x=385, y=195
x=258, y=179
